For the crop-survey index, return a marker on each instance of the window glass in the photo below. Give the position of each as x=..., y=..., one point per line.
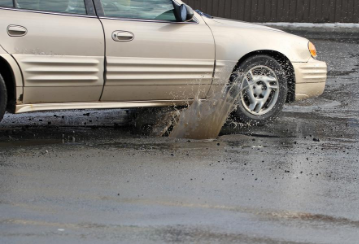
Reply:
x=139, y=9
x=60, y=6
x=6, y=3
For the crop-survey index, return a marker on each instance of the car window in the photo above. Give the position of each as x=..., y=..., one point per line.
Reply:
x=139, y=9
x=60, y=6
x=6, y=3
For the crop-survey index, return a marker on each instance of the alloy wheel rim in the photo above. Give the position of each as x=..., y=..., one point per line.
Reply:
x=259, y=90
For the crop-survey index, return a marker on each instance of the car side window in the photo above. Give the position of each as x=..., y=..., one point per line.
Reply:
x=6, y=3
x=139, y=9
x=59, y=6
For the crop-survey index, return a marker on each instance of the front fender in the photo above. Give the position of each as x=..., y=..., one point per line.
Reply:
x=234, y=41
x=2, y=50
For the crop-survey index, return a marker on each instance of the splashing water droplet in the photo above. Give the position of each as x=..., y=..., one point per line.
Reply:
x=204, y=119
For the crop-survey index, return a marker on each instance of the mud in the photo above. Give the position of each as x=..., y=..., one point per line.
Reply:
x=74, y=177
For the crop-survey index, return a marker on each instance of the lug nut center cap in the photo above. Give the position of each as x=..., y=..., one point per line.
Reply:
x=258, y=89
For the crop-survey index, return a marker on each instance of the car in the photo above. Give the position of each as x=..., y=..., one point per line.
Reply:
x=104, y=54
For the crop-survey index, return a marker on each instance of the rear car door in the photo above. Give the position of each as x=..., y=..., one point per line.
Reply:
x=150, y=56
x=59, y=47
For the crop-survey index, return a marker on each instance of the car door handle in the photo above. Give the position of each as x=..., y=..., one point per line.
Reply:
x=122, y=36
x=16, y=30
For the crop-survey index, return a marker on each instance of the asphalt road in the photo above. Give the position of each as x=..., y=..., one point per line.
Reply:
x=73, y=177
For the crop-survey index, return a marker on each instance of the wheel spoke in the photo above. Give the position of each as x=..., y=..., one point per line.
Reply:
x=269, y=79
x=251, y=76
x=251, y=96
x=248, y=85
x=250, y=92
x=271, y=82
x=273, y=86
x=259, y=106
x=266, y=96
x=253, y=105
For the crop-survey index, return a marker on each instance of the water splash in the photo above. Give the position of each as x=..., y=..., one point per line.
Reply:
x=204, y=119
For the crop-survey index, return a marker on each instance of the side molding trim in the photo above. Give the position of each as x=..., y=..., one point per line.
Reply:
x=25, y=108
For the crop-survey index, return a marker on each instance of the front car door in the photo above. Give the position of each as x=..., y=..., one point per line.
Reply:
x=59, y=47
x=150, y=56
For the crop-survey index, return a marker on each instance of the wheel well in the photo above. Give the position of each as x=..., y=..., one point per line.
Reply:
x=284, y=61
x=9, y=78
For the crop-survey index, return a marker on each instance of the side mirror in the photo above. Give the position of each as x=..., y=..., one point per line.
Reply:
x=183, y=12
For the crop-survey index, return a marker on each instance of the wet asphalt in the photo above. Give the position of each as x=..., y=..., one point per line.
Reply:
x=87, y=177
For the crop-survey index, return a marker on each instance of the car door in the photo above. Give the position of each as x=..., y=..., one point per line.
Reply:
x=150, y=56
x=59, y=47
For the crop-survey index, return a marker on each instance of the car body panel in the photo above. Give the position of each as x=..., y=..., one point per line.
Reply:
x=308, y=90
x=19, y=85
x=313, y=71
x=310, y=79
x=165, y=60
x=15, y=69
x=57, y=54
x=235, y=39
x=25, y=108
x=2, y=50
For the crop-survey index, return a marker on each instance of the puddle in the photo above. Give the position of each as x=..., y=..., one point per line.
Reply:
x=316, y=217
x=167, y=145
x=29, y=143
x=141, y=146
x=260, y=135
x=334, y=73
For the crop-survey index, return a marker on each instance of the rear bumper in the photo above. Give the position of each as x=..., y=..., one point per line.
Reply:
x=310, y=79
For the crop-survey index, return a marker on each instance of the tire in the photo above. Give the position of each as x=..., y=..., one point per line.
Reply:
x=3, y=98
x=262, y=94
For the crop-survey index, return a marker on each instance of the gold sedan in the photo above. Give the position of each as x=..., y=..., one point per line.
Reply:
x=96, y=54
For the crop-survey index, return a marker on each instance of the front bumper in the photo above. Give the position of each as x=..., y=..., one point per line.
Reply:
x=310, y=79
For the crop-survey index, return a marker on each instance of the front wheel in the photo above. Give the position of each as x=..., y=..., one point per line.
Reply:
x=263, y=90
x=3, y=98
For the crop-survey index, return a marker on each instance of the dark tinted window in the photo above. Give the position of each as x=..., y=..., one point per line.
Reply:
x=139, y=9
x=60, y=6
x=6, y=3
